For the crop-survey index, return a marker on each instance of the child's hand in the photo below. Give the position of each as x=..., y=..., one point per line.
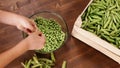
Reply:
x=35, y=40
x=26, y=25
x=21, y=22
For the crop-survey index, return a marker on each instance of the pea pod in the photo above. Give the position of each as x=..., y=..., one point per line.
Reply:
x=52, y=57
x=64, y=64
x=36, y=62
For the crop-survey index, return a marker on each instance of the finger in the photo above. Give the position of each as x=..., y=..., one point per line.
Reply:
x=26, y=30
x=21, y=28
x=34, y=25
x=31, y=26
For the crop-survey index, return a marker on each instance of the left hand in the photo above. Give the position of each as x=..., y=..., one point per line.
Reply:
x=26, y=25
x=22, y=23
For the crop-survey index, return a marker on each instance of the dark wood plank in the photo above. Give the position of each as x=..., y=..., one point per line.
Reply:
x=76, y=53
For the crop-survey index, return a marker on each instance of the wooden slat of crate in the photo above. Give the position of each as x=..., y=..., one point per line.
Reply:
x=81, y=34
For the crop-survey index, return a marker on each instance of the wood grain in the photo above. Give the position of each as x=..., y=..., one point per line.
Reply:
x=76, y=53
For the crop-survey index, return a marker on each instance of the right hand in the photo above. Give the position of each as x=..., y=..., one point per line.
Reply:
x=35, y=41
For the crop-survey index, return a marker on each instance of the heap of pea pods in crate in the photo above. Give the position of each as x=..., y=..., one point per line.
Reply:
x=103, y=19
x=99, y=27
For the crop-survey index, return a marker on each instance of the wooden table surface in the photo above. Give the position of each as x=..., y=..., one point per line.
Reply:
x=76, y=53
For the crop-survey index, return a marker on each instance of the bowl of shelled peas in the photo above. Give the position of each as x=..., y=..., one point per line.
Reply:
x=54, y=27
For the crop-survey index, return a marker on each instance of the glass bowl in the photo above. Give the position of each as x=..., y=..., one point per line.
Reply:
x=59, y=20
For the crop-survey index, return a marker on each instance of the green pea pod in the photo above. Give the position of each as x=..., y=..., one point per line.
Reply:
x=114, y=6
x=92, y=27
x=114, y=19
x=28, y=64
x=98, y=30
x=107, y=13
x=90, y=30
x=37, y=65
x=107, y=38
x=35, y=59
x=47, y=66
x=116, y=10
x=90, y=18
x=117, y=19
x=107, y=23
x=95, y=10
x=89, y=9
x=103, y=2
x=105, y=32
x=118, y=16
x=46, y=60
x=52, y=57
x=113, y=33
x=33, y=63
x=64, y=64
x=24, y=65
x=100, y=13
x=93, y=22
x=117, y=4
x=98, y=5
x=110, y=25
x=96, y=17
x=115, y=28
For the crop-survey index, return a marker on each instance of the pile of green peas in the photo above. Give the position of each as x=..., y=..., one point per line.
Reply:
x=53, y=33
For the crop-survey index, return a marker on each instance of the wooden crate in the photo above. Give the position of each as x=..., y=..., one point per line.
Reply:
x=94, y=41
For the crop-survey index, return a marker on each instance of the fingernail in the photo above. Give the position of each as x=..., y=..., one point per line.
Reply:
x=40, y=34
x=29, y=30
x=33, y=25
